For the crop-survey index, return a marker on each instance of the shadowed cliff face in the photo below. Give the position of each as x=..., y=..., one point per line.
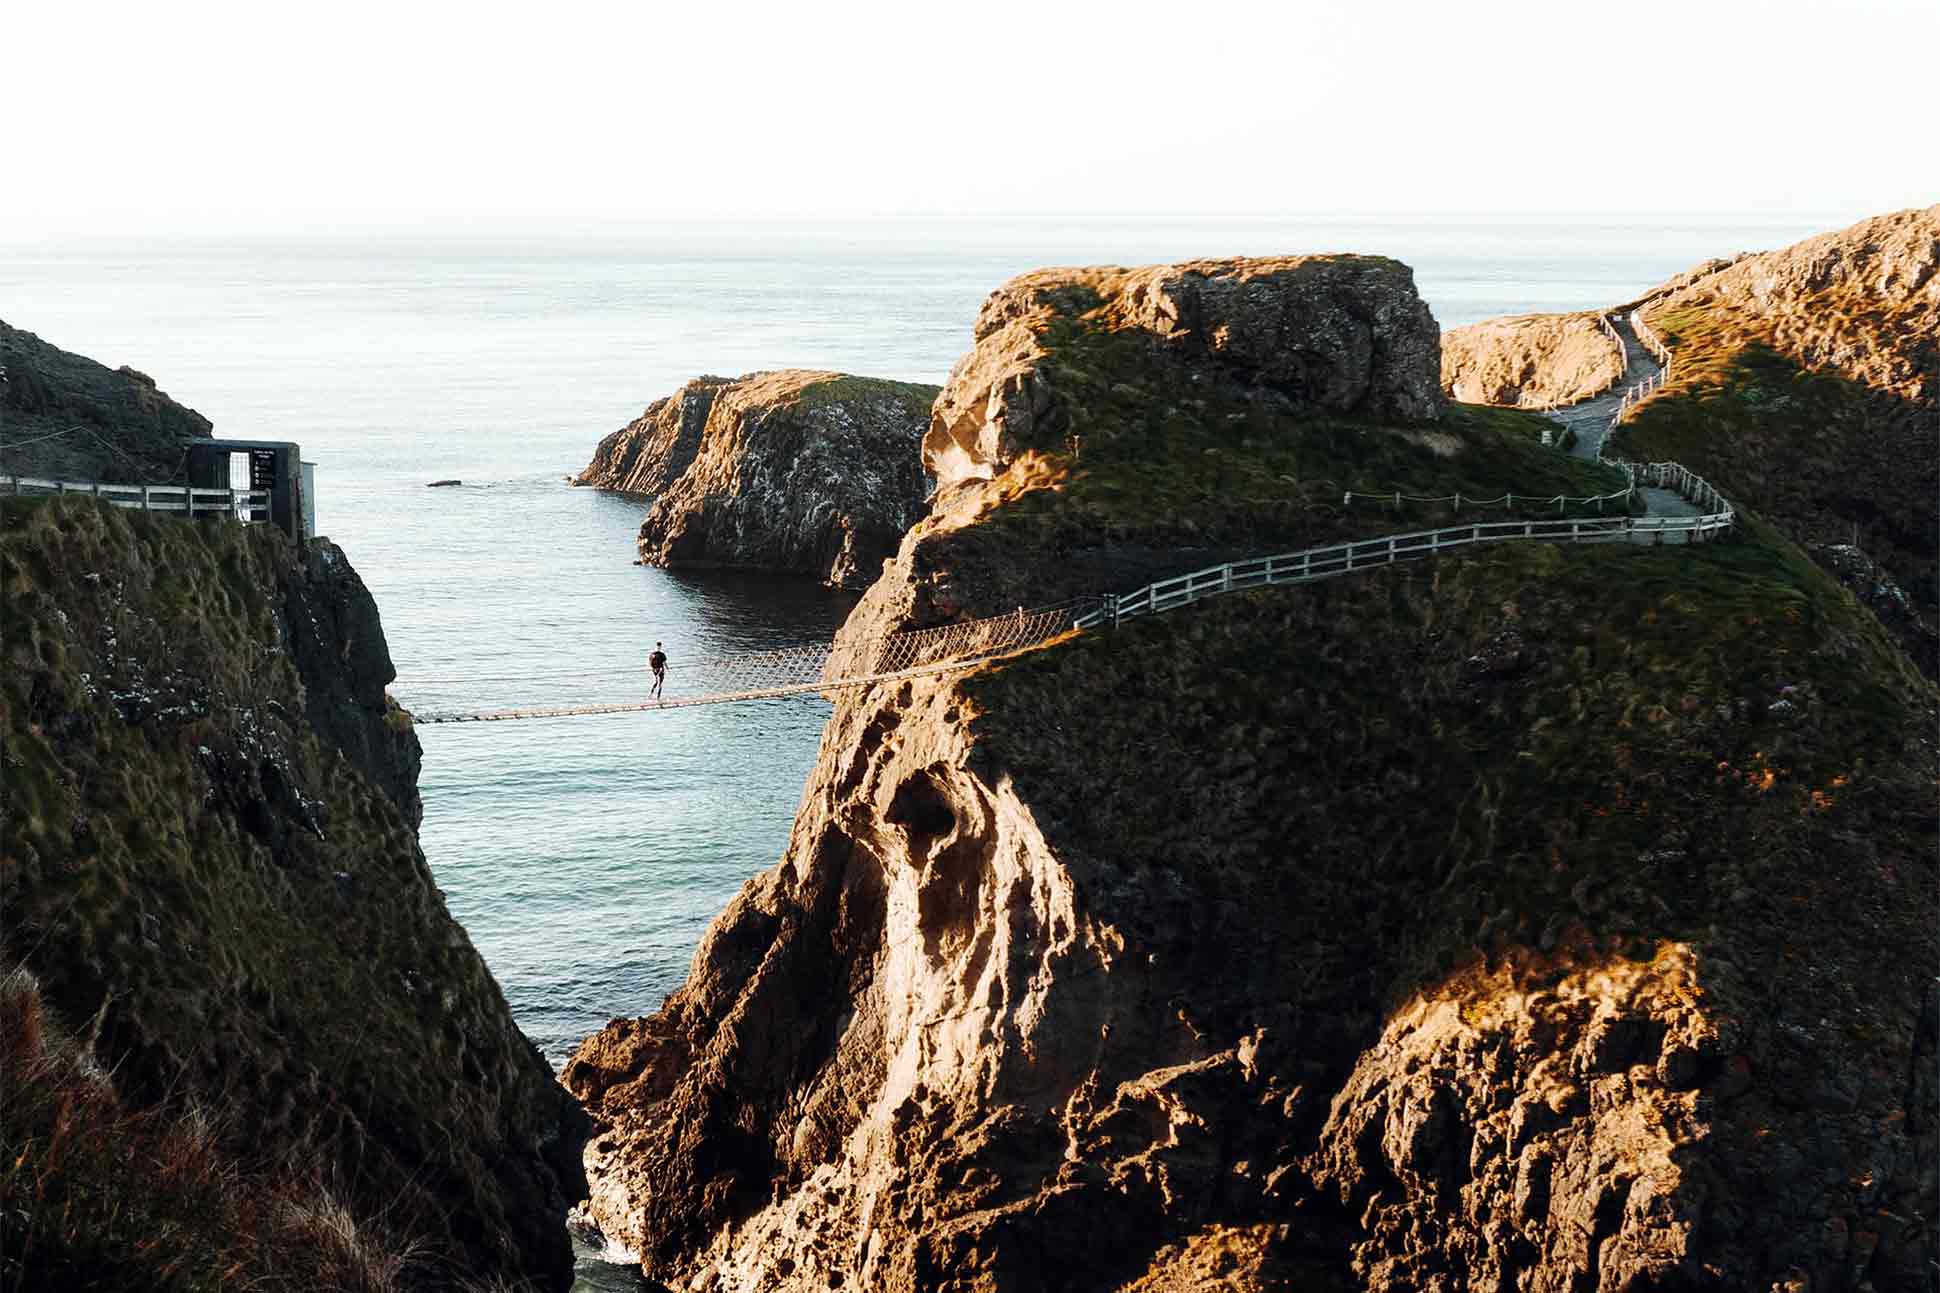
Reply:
x=210, y=866
x=337, y=643
x=794, y=471
x=1507, y=922
x=67, y=417
x=1807, y=384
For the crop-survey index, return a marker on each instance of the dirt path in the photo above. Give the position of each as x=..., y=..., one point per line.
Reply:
x=1591, y=419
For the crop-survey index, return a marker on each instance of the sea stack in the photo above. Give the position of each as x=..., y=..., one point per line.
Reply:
x=795, y=471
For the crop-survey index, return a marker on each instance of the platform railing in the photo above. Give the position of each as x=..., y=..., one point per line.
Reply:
x=242, y=504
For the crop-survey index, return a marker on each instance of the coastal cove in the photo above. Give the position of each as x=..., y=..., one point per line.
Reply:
x=586, y=857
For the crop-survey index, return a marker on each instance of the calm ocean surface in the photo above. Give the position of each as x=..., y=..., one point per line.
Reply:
x=586, y=855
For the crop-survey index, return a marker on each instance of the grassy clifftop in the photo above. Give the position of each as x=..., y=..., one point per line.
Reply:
x=231, y=911
x=1139, y=454
x=1424, y=826
x=1805, y=385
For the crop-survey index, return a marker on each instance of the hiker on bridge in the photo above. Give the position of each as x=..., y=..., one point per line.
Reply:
x=657, y=662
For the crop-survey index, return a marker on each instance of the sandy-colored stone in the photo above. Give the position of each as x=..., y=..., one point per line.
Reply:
x=1529, y=360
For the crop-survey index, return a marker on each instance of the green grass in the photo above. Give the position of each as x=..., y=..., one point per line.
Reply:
x=255, y=919
x=1824, y=457
x=1329, y=761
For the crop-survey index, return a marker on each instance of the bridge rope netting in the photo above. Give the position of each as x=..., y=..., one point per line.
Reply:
x=822, y=668
x=815, y=668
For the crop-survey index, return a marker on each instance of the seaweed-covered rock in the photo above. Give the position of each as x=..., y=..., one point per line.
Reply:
x=794, y=471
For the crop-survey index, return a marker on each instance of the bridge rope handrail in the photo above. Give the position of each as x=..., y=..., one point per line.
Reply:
x=1395, y=498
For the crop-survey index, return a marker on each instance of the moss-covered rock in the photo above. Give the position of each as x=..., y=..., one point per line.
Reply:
x=212, y=888
x=1807, y=385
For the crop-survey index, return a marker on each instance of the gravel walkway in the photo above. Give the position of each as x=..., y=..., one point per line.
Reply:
x=1591, y=421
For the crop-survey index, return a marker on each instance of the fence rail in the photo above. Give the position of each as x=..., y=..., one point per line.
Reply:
x=243, y=504
x=1655, y=346
x=1310, y=564
x=1652, y=342
x=1395, y=498
x=1559, y=403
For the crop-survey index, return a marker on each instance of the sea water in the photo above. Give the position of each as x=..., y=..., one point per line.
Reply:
x=586, y=855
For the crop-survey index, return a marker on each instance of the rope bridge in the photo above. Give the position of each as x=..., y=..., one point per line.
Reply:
x=815, y=668
x=818, y=668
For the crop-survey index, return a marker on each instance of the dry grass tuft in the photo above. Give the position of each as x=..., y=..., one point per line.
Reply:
x=98, y=1195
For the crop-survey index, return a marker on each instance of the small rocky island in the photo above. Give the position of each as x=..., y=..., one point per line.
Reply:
x=793, y=471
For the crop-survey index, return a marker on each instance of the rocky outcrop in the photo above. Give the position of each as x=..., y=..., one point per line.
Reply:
x=1863, y=301
x=66, y=417
x=1309, y=334
x=1507, y=921
x=336, y=641
x=808, y=472
x=210, y=869
x=1806, y=385
x=651, y=452
x=1530, y=360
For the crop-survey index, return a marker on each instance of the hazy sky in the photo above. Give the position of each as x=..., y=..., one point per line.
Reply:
x=198, y=114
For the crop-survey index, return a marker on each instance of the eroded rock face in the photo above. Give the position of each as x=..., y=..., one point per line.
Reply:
x=337, y=641
x=1321, y=334
x=809, y=472
x=209, y=863
x=1529, y=360
x=1864, y=301
x=1316, y=938
x=129, y=432
x=1058, y=1021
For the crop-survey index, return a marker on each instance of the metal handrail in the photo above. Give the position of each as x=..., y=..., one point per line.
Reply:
x=192, y=500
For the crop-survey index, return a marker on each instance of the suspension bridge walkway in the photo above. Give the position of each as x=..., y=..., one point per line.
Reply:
x=1682, y=507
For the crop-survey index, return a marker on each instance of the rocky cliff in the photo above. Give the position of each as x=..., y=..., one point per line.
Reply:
x=1807, y=383
x=1509, y=921
x=1530, y=360
x=797, y=471
x=64, y=416
x=209, y=870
